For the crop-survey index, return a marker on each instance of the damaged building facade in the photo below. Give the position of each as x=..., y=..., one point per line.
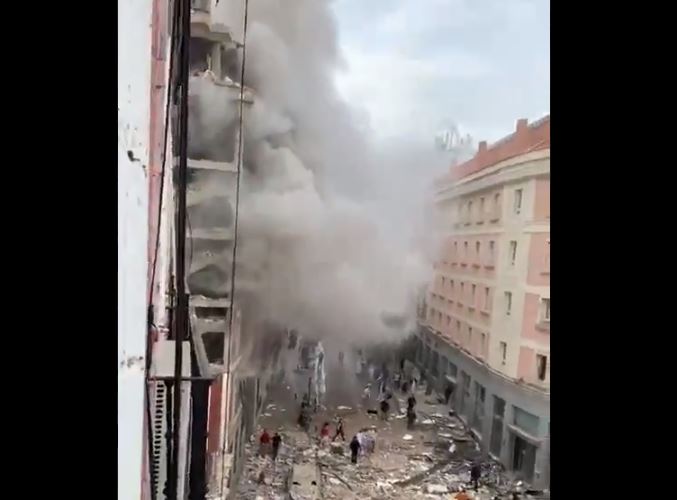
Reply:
x=224, y=395
x=485, y=322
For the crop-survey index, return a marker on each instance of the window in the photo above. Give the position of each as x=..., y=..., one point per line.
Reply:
x=472, y=295
x=478, y=413
x=481, y=207
x=513, y=253
x=469, y=336
x=477, y=252
x=518, y=201
x=508, y=303
x=503, y=350
x=448, y=320
x=545, y=311
x=469, y=211
x=484, y=342
x=541, y=366
x=465, y=251
x=442, y=281
x=486, y=298
x=492, y=253
x=462, y=297
x=458, y=327
x=455, y=251
x=497, y=205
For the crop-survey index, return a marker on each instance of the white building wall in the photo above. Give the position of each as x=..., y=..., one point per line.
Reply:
x=134, y=64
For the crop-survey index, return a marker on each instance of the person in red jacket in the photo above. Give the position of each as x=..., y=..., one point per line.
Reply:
x=264, y=441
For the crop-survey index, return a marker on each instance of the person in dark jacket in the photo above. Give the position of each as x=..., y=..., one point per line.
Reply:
x=411, y=402
x=277, y=440
x=354, y=449
x=411, y=418
x=475, y=473
x=385, y=408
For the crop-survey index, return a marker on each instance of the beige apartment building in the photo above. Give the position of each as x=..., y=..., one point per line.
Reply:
x=485, y=327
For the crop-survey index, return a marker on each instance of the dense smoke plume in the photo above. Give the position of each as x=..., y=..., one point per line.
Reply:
x=326, y=216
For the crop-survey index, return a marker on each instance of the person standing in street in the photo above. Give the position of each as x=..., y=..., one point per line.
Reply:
x=339, y=430
x=277, y=440
x=354, y=449
x=264, y=441
x=411, y=418
x=385, y=408
x=475, y=473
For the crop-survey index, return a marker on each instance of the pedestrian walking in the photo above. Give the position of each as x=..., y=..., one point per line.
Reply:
x=354, y=449
x=339, y=430
x=264, y=441
x=475, y=473
x=277, y=440
x=411, y=418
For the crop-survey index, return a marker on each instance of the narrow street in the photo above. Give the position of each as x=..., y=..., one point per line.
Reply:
x=431, y=461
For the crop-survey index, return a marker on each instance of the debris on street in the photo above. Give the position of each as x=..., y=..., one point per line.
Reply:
x=433, y=461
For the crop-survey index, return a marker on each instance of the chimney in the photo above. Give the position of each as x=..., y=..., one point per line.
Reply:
x=522, y=125
x=482, y=148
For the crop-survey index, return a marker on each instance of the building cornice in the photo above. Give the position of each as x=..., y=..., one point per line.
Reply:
x=534, y=164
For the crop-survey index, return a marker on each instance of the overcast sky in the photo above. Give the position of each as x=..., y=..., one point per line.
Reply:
x=412, y=65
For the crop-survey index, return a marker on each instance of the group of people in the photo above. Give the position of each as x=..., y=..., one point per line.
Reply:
x=268, y=444
x=325, y=431
x=355, y=444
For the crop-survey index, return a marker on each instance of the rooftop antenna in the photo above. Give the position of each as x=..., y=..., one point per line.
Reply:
x=451, y=141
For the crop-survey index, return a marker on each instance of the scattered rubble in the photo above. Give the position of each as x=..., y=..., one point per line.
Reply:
x=431, y=462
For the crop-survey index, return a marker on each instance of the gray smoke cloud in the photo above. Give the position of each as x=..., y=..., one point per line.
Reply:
x=331, y=224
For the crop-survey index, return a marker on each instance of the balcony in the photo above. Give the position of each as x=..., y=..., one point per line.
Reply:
x=209, y=320
x=203, y=26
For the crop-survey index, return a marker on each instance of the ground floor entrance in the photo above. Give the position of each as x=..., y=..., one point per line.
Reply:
x=523, y=458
